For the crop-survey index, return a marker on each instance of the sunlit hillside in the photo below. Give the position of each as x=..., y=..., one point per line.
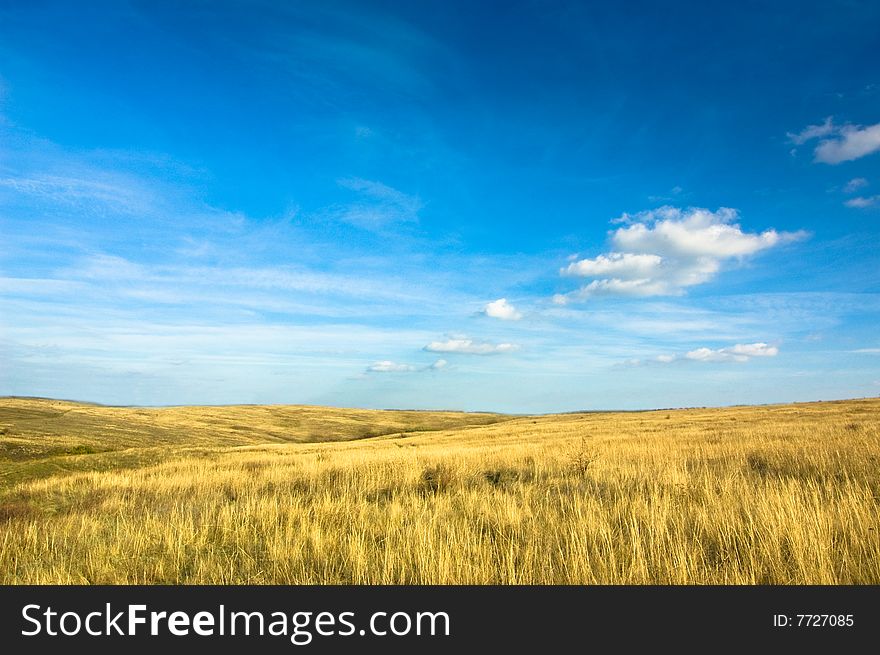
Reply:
x=40, y=437
x=785, y=494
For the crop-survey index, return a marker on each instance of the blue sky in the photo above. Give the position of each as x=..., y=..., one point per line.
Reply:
x=524, y=207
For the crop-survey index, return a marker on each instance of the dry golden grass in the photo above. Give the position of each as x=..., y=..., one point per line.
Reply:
x=778, y=495
x=41, y=437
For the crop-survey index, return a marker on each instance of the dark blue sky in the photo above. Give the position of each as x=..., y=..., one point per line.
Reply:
x=277, y=173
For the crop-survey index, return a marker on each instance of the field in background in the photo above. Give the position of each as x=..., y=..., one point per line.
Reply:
x=785, y=494
x=41, y=437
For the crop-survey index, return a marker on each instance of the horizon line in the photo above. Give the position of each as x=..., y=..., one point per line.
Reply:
x=447, y=410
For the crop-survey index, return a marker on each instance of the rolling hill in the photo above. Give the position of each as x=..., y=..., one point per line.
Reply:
x=782, y=494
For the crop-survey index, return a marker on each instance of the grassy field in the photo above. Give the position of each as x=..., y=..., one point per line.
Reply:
x=785, y=494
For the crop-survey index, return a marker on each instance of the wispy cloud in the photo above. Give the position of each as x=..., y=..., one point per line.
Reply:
x=855, y=184
x=839, y=143
x=675, y=193
x=119, y=196
x=502, y=309
x=664, y=251
x=862, y=202
x=824, y=128
x=387, y=366
x=470, y=347
x=379, y=205
x=186, y=283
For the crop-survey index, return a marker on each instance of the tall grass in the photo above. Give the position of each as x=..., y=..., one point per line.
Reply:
x=780, y=495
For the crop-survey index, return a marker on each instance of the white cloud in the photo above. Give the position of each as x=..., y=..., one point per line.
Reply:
x=708, y=355
x=663, y=251
x=812, y=132
x=387, y=366
x=741, y=352
x=861, y=202
x=839, y=143
x=753, y=350
x=620, y=265
x=616, y=287
x=470, y=347
x=502, y=309
x=855, y=184
x=692, y=232
x=853, y=142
